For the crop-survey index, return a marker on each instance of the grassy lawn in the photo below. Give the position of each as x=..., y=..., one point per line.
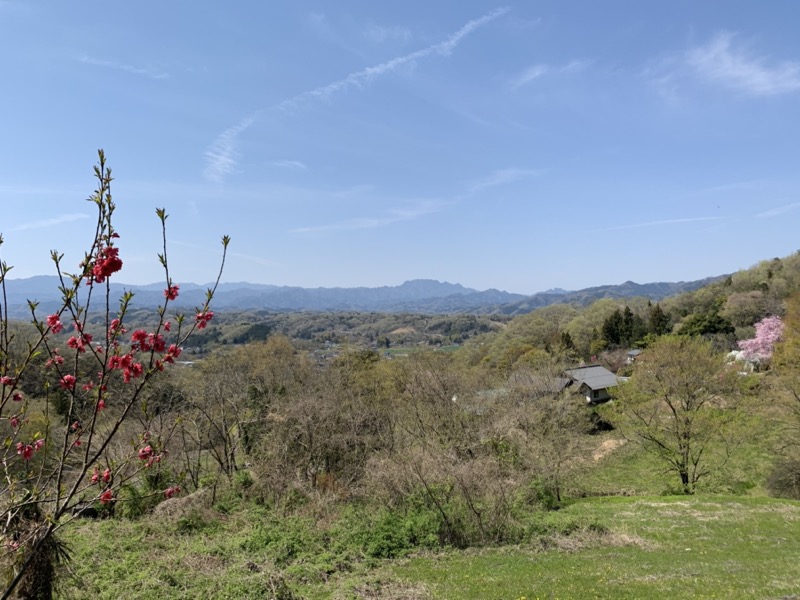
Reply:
x=655, y=547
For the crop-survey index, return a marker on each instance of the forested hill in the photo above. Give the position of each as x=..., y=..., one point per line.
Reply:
x=416, y=296
x=629, y=289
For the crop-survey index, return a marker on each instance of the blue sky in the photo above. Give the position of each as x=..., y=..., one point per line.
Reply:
x=517, y=146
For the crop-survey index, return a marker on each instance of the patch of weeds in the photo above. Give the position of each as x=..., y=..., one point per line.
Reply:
x=784, y=480
x=541, y=495
x=283, y=540
x=546, y=525
x=242, y=482
x=387, y=533
x=196, y=522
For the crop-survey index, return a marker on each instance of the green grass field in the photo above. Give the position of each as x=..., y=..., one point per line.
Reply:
x=634, y=547
x=655, y=547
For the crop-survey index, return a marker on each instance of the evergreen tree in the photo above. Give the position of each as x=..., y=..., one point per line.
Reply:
x=658, y=322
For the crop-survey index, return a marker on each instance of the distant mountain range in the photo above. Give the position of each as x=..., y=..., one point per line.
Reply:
x=415, y=296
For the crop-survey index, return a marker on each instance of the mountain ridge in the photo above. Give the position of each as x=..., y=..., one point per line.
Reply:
x=415, y=296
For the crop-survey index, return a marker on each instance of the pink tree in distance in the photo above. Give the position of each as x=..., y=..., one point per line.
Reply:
x=769, y=331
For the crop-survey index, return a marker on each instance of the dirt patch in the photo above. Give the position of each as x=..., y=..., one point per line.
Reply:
x=403, y=330
x=606, y=448
x=202, y=563
x=590, y=539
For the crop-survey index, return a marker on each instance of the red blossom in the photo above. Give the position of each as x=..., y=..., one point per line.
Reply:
x=54, y=323
x=55, y=359
x=167, y=326
x=132, y=372
x=157, y=342
x=120, y=362
x=202, y=318
x=24, y=450
x=116, y=328
x=79, y=343
x=68, y=382
x=171, y=491
x=106, y=497
x=14, y=421
x=173, y=352
x=106, y=263
x=139, y=337
x=17, y=397
x=146, y=452
x=6, y=380
x=171, y=292
x=107, y=475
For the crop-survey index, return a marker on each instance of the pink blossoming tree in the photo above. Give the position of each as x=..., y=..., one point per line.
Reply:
x=769, y=332
x=51, y=470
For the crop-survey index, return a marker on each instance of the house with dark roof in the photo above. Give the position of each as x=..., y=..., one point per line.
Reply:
x=594, y=381
x=632, y=355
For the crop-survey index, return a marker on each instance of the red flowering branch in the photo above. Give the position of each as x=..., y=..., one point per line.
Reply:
x=49, y=469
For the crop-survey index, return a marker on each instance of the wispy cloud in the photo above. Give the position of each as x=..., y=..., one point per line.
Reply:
x=666, y=222
x=379, y=34
x=501, y=177
x=289, y=164
x=536, y=71
x=53, y=222
x=726, y=188
x=529, y=75
x=360, y=79
x=220, y=156
x=780, y=210
x=736, y=67
x=150, y=72
x=392, y=216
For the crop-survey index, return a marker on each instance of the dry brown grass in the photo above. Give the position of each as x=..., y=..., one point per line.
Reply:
x=181, y=506
x=388, y=590
x=606, y=448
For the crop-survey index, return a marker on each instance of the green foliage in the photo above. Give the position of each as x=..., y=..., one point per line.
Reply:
x=542, y=494
x=139, y=498
x=706, y=324
x=196, y=522
x=387, y=533
x=784, y=480
x=622, y=328
x=658, y=322
x=679, y=404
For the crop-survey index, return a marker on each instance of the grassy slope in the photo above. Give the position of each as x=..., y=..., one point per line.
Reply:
x=653, y=547
x=707, y=546
x=658, y=547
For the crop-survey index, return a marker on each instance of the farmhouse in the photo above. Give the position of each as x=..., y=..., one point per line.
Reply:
x=593, y=381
